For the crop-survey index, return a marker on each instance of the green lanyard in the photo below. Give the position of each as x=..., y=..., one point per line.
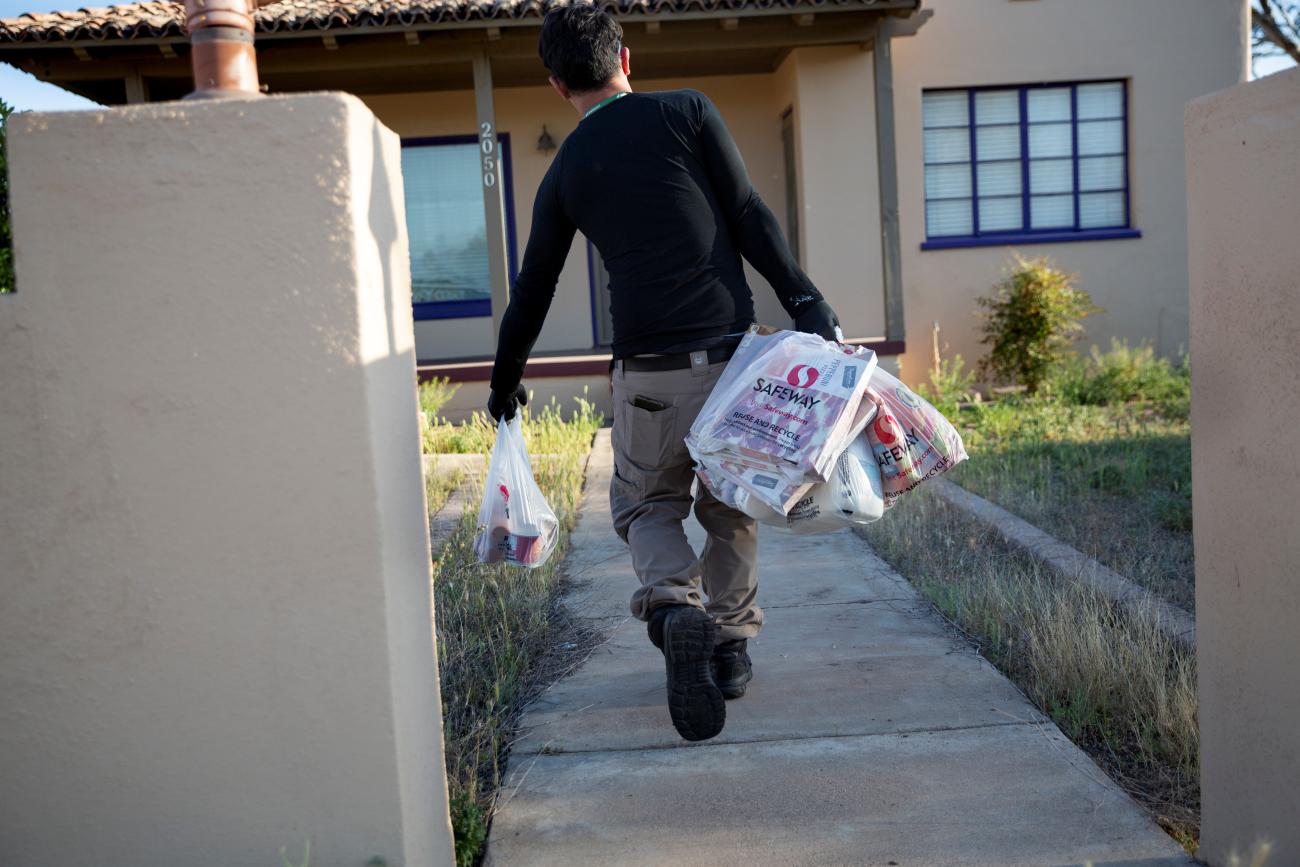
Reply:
x=604, y=102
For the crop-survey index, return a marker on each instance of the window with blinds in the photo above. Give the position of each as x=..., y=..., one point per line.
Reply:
x=447, y=226
x=1039, y=162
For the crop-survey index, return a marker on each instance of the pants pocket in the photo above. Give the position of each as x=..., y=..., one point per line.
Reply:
x=626, y=491
x=650, y=436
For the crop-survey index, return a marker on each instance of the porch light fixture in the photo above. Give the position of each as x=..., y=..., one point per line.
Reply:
x=545, y=143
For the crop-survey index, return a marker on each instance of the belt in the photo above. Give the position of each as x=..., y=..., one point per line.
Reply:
x=677, y=360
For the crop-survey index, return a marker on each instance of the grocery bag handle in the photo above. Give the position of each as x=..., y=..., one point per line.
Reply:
x=513, y=429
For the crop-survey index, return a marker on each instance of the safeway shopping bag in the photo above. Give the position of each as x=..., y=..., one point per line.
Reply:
x=911, y=440
x=786, y=401
x=852, y=496
x=515, y=523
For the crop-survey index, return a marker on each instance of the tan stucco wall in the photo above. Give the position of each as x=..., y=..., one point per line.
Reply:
x=216, y=622
x=1243, y=185
x=1170, y=50
x=832, y=92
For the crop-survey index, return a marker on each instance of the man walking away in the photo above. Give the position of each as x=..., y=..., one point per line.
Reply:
x=655, y=181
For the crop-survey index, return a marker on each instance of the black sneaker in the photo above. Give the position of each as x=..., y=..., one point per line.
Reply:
x=732, y=669
x=686, y=635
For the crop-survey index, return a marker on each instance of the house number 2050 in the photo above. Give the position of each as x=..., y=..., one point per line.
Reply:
x=487, y=143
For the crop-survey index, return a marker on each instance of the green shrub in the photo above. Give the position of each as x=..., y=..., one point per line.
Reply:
x=468, y=828
x=6, y=240
x=470, y=438
x=1031, y=319
x=1122, y=375
x=435, y=394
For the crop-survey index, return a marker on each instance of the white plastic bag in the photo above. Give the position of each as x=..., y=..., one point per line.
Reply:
x=911, y=440
x=852, y=496
x=515, y=523
x=779, y=417
x=786, y=401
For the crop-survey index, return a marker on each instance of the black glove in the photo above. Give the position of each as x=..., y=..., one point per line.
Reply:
x=817, y=318
x=502, y=404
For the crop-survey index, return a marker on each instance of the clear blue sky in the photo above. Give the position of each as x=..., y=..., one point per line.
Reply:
x=21, y=90
x=24, y=92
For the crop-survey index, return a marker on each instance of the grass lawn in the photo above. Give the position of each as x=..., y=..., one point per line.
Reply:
x=1116, y=686
x=501, y=633
x=439, y=485
x=1102, y=461
x=1113, y=481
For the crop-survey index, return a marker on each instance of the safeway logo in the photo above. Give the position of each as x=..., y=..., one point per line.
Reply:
x=810, y=375
x=886, y=429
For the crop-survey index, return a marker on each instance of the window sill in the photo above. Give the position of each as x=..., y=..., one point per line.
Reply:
x=1021, y=238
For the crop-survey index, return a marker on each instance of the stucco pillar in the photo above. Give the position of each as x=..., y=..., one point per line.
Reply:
x=833, y=93
x=215, y=629
x=1243, y=178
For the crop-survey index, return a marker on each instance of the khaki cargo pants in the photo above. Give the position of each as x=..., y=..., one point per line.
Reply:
x=650, y=497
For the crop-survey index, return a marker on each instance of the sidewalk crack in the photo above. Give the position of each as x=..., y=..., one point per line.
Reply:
x=548, y=750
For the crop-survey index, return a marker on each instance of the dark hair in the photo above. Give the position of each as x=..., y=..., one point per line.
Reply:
x=580, y=46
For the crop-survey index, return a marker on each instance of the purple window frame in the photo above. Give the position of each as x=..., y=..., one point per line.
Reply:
x=1027, y=235
x=478, y=306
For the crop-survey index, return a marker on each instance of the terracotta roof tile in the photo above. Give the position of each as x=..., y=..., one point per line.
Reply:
x=161, y=18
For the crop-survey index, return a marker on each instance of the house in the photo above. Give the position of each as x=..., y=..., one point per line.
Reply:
x=907, y=147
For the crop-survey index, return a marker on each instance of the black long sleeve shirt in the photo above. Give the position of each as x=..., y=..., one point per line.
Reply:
x=656, y=182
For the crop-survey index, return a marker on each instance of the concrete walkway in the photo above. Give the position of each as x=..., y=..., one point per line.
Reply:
x=871, y=734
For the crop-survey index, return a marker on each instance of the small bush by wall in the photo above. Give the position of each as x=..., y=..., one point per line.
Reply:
x=1032, y=318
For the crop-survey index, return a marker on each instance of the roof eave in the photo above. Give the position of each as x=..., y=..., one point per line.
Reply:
x=530, y=19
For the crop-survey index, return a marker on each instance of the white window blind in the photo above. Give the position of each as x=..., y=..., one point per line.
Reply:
x=1051, y=158
x=1027, y=159
x=948, y=180
x=445, y=222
